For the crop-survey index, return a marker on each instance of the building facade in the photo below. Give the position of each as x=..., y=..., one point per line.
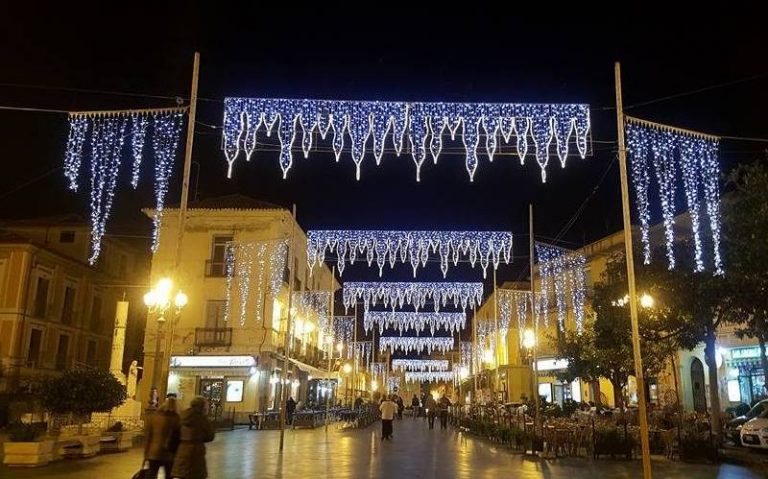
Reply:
x=57, y=311
x=237, y=365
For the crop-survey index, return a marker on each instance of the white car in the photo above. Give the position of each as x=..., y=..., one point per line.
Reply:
x=754, y=433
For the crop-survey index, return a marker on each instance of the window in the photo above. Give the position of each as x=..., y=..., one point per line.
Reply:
x=217, y=262
x=90, y=352
x=35, y=343
x=96, y=313
x=69, y=305
x=67, y=237
x=62, y=351
x=545, y=391
x=734, y=392
x=214, y=314
x=41, y=296
x=235, y=390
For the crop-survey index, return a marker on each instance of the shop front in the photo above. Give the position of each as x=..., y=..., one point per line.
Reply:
x=745, y=375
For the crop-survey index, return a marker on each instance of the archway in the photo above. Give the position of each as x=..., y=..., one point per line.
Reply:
x=697, y=386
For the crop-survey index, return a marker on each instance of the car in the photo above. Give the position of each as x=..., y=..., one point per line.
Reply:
x=733, y=427
x=754, y=433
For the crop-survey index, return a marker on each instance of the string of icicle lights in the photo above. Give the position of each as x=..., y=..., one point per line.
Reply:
x=414, y=122
x=513, y=304
x=396, y=295
x=420, y=365
x=414, y=247
x=465, y=353
x=672, y=155
x=415, y=344
x=429, y=376
x=393, y=383
x=378, y=369
x=312, y=306
x=363, y=351
x=106, y=133
x=253, y=269
x=402, y=321
x=563, y=277
x=343, y=329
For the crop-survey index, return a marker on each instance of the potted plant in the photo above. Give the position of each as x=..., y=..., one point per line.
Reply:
x=25, y=447
x=80, y=392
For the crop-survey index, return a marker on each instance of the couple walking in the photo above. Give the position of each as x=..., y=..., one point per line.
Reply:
x=177, y=442
x=435, y=408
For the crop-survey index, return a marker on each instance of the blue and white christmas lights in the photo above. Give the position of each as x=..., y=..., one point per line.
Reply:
x=396, y=295
x=562, y=274
x=420, y=365
x=694, y=155
x=265, y=259
x=465, y=353
x=414, y=247
x=378, y=369
x=106, y=133
x=343, y=329
x=402, y=321
x=513, y=303
x=415, y=344
x=313, y=305
x=359, y=120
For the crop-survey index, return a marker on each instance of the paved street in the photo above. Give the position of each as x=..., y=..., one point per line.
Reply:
x=415, y=452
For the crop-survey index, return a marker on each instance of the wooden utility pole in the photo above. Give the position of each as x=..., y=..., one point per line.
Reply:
x=534, y=319
x=474, y=351
x=646, y=453
x=331, y=348
x=355, y=350
x=497, y=336
x=287, y=338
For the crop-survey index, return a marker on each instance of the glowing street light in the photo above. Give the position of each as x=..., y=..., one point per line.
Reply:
x=529, y=339
x=347, y=368
x=647, y=301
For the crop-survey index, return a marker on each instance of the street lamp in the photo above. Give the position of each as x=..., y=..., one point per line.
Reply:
x=647, y=301
x=160, y=300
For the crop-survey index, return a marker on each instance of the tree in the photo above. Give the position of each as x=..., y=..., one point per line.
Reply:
x=604, y=348
x=746, y=230
x=82, y=391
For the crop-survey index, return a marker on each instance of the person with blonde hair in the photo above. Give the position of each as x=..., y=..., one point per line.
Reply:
x=161, y=436
x=196, y=430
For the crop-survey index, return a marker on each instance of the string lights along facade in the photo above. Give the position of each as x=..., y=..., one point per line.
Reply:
x=513, y=304
x=378, y=369
x=563, y=278
x=419, y=124
x=420, y=365
x=396, y=295
x=343, y=329
x=403, y=321
x=312, y=305
x=676, y=156
x=253, y=268
x=415, y=344
x=101, y=137
x=413, y=247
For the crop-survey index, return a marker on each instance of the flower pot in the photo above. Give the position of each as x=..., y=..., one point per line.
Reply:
x=116, y=441
x=28, y=454
x=79, y=446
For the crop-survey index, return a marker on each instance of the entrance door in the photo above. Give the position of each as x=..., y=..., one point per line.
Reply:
x=697, y=384
x=213, y=391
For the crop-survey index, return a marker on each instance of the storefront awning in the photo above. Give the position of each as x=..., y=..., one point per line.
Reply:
x=212, y=361
x=310, y=370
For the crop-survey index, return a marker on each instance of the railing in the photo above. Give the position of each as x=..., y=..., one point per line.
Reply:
x=213, y=337
x=215, y=269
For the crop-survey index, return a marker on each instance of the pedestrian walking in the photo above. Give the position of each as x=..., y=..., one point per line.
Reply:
x=431, y=409
x=161, y=436
x=290, y=408
x=388, y=410
x=415, y=406
x=400, y=407
x=443, y=406
x=196, y=430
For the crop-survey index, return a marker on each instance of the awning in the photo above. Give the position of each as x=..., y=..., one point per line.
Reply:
x=311, y=370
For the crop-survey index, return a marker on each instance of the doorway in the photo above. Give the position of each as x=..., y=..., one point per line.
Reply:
x=697, y=386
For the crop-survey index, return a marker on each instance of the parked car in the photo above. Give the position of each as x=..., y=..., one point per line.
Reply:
x=754, y=433
x=734, y=426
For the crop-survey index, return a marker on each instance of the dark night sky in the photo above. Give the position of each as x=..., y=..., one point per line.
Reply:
x=488, y=54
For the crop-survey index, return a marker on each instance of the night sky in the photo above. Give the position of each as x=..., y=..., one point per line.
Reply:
x=386, y=53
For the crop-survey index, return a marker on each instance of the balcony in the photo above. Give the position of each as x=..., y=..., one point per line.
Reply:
x=215, y=269
x=213, y=337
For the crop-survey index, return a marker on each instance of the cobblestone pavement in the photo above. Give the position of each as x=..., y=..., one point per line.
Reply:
x=415, y=452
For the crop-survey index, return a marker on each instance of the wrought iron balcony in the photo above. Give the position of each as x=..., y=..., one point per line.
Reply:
x=213, y=337
x=215, y=269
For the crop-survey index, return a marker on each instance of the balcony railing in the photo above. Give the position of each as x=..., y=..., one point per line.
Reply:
x=215, y=269
x=213, y=337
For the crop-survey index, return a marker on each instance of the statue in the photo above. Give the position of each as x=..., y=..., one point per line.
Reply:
x=133, y=377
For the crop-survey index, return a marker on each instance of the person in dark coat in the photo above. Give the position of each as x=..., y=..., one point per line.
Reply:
x=415, y=405
x=431, y=406
x=443, y=406
x=161, y=434
x=196, y=430
x=290, y=408
x=400, y=407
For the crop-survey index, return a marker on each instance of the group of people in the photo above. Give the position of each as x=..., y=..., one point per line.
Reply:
x=176, y=442
x=392, y=406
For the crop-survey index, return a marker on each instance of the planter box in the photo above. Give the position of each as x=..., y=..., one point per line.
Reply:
x=28, y=454
x=78, y=446
x=116, y=441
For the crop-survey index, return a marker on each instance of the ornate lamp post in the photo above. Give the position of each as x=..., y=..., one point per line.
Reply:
x=160, y=300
